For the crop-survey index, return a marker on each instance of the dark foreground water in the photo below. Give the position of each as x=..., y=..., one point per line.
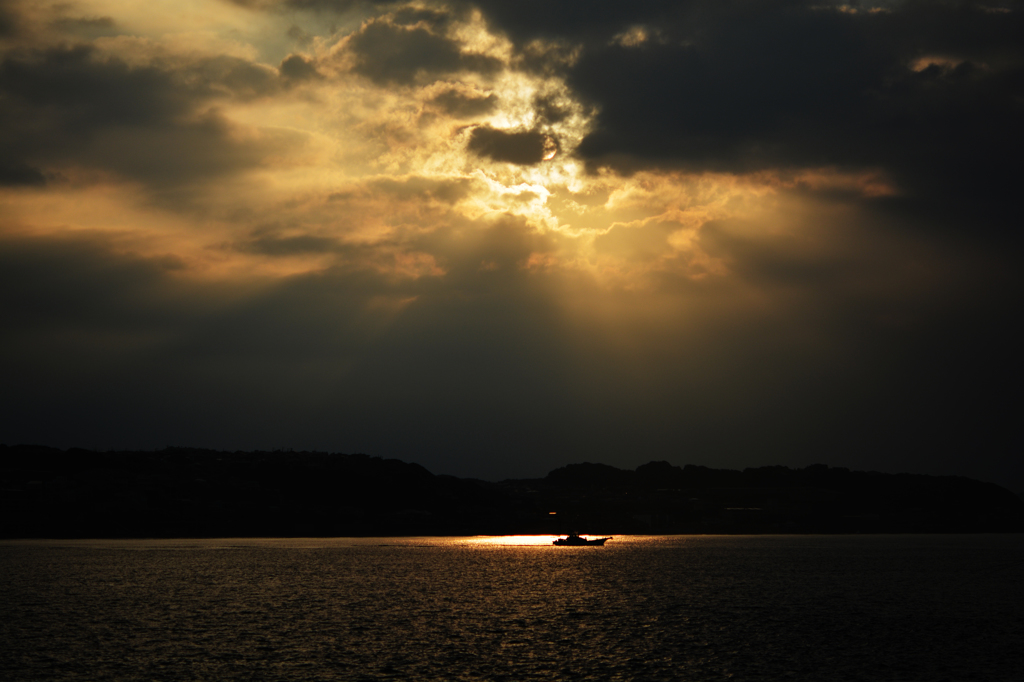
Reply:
x=642, y=608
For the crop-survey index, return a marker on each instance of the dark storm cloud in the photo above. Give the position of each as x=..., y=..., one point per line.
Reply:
x=70, y=104
x=740, y=86
x=523, y=148
x=57, y=101
x=751, y=89
x=88, y=92
x=388, y=53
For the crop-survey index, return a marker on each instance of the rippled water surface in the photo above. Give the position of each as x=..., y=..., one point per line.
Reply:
x=640, y=608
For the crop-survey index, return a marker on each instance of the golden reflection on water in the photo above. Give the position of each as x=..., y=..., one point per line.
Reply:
x=513, y=540
x=425, y=609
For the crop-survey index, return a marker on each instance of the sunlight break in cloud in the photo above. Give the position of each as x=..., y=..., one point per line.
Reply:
x=414, y=119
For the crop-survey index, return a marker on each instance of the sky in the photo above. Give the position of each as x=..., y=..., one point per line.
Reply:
x=497, y=237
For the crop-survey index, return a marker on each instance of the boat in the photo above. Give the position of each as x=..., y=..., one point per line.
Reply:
x=574, y=540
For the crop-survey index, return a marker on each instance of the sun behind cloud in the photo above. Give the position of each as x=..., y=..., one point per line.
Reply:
x=359, y=142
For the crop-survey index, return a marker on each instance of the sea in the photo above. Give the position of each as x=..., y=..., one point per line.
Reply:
x=871, y=607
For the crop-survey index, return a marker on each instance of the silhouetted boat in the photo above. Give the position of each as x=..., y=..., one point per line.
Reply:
x=574, y=540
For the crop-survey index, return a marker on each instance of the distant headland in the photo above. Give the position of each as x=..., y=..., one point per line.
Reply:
x=185, y=492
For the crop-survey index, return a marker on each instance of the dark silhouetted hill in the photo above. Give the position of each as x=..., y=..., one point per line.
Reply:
x=661, y=498
x=184, y=492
